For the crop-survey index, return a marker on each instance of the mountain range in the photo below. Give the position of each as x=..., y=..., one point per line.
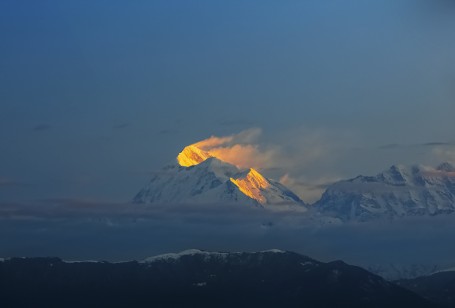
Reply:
x=195, y=278
x=199, y=177
x=437, y=287
x=397, y=192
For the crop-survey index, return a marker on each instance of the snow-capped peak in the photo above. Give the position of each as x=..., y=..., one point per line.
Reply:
x=446, y=167
x=200, y=177
x=251, y=184
x=397, y=192
x=397, y=174
x=192, y=155
x=452, y=269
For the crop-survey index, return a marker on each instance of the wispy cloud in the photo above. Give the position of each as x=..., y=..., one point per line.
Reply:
x=240, y=149
x=444, y=153
x=437, y=151
x=310, y=190
x=432, y=144
x=289, y=157
x=4, y=182
x=393, y=146
x=41, y=127
x=237, y=122
x=121, y=125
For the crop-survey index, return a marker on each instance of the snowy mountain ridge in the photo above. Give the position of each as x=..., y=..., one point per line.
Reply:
x=205, y=254
x=197, y=177
x=397, y=192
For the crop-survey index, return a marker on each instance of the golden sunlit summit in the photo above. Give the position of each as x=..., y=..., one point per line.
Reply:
x=219, y=170
x=192, y=155
x=250, y=182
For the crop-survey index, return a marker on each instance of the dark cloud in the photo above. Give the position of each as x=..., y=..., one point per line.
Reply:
x=313, y=185
x=393, y=146
x=4, y=182
x=432, y=144
x=121, y=125
x=41, y=127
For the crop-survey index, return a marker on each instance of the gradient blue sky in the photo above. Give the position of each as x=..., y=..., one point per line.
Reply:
x=95, y=95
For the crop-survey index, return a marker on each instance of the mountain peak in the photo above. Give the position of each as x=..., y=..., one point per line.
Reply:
x=398, y=174
x=251, y=184
x=201, y=177
x=192, y=155
x=397, y=192
x=446, y=166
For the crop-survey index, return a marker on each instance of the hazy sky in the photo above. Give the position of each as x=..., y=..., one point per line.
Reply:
x=95, y=95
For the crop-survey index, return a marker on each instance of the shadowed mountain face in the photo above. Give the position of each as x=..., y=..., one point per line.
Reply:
x=397, y=192
x=438, y=287
x=198, y=279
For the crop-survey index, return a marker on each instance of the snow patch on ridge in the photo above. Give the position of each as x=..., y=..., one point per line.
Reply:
x=273, y=251
x=189, y=252
x=194, y=252
x=452, y=269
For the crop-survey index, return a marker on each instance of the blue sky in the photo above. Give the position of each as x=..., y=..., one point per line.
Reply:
x=95, y=95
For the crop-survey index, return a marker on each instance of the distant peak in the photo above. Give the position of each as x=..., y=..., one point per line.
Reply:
x=446, y=167
x=397, y=168
x=192, y=155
